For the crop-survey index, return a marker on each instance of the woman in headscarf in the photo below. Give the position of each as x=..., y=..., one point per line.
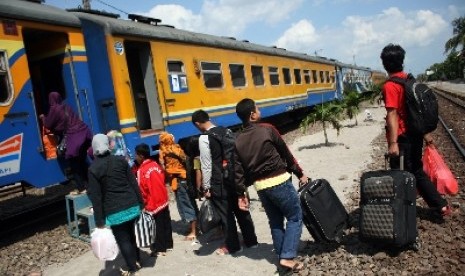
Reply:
x=62, y=121
x=173, y=159
x=116, y=199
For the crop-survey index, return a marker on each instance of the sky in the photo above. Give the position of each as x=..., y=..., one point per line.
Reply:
x=351, y=31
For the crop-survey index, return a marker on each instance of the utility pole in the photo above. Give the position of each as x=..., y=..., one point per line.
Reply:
x=86, y=4
x=317, y=51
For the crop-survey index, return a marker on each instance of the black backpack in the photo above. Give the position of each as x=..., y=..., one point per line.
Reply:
x=227, y=139
x=421, y=105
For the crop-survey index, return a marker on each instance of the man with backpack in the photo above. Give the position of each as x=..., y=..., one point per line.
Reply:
x=216, y=145
x=409, y=123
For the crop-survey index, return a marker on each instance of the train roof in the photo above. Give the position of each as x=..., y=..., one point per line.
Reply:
x=168, y=33
x=35, y=11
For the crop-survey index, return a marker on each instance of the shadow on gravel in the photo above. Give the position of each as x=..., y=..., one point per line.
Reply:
x=330, y=145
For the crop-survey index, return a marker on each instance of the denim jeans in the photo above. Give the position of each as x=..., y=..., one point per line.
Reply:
x=282, y=202
x=185, y=204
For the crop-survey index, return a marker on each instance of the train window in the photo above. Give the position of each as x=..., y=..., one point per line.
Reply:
x=322, y=77
x=287, y=75
x=6, y=87
x=274, y=75
x=237, y=75
x=327, y=76
x=175, y=67
x=315, y=76
x=212, y=75
x=257, y=75
x=307, y=76
x=177, y=76
x=297, y=76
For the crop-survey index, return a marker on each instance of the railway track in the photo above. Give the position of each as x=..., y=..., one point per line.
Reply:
x=451, y=109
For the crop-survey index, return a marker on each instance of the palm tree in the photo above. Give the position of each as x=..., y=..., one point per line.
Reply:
x=351, y=103
x=459, y=35
x=324, y=113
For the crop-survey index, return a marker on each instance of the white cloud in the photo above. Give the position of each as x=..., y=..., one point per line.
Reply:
x=362, y=38
x=226, y=17
x=300, y=37
x=177, y=16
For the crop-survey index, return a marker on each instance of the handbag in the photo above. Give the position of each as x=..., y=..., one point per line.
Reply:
x=145, y=230
x=61, y=148
x=208, y=217
x=438, y=172
x=50, y=144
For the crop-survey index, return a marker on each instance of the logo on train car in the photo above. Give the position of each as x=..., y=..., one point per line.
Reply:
x=119, y=48
x=10, y=155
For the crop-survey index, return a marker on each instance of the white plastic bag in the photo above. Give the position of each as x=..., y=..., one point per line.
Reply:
x=104, y=244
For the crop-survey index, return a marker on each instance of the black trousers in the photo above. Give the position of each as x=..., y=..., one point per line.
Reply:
x=228, y=210
x=411, y=146
x=163, y=231
x=126, y=239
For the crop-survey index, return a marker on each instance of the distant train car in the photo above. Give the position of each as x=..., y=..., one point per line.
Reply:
x=378, y=77
x=41, y=50
x=138, y=77
x=355, y=78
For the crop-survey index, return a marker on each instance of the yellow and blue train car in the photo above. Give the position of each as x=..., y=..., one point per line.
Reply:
x=152, y=77
x=136, y=76
x=41, y=50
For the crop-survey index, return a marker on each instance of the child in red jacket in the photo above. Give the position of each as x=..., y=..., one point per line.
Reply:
x=151, y=179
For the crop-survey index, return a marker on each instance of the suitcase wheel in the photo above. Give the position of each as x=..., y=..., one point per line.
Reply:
x=416, y=246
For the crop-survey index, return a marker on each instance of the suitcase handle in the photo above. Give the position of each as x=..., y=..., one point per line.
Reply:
x=386, y=158
x=316, y=187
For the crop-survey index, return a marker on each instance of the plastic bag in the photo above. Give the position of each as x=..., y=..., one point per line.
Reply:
x=104, y=244
x=208, y=217
x=50, y=144
x=439, y=173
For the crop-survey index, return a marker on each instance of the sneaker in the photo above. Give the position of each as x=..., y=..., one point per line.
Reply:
x=127, y=273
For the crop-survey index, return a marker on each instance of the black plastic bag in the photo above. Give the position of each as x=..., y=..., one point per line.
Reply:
x=208, y=216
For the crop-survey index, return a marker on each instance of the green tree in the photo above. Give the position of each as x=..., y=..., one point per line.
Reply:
x=458, y=39
x=351, y=104
x=327, y=113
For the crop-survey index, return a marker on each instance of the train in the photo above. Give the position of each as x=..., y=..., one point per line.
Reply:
x=139, y=77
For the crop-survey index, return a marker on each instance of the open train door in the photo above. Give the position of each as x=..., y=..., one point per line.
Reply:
x=39, y=64
x=143, y=86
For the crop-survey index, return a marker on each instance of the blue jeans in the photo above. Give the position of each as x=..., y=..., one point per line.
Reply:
x=185, y=204
x=279, y=202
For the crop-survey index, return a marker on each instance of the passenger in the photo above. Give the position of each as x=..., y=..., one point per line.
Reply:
x=263, y=160
x=193, y=155
x=220, y=191
x=63, y=122
x=118, y=146
x=116, y=199
x=173, y=159
x=398, y=137
x=151, y=180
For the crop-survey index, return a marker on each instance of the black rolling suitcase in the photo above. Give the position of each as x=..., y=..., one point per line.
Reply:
x=323, y=213
x=388, y=208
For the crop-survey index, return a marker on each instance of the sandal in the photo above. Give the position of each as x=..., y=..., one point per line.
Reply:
x=190, y=238
x=285, y=270
x=222, y=251
x=447, y=211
